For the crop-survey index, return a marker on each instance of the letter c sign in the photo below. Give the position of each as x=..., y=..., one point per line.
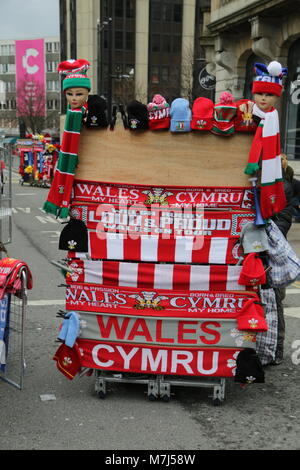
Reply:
x=30, y=69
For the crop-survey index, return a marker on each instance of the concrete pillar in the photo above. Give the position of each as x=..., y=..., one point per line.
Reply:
x=187, y=47
x=141, y=50
x=88, y=11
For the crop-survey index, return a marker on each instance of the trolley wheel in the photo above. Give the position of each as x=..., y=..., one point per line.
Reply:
x=217, y=402
x=166, y=398
x=152, y=397
x=101, y=395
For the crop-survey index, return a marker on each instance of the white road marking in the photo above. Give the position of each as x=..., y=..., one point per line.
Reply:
x=41, y=303
x=292, y=291
x=24, y=194
x=292, y=312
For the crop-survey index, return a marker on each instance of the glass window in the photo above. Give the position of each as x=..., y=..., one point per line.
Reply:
x=48, y=46
x=119, y=40
x=165, y=73
x=177, y=13
x=154, y=78
x=167, y=12
x=129, y=40
x=176, y=44
x=156, y=11
x=155, y=43
x=119, y=11
x=129, y=9
x=166, y=43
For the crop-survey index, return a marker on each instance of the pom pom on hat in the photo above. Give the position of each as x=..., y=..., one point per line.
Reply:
x=274, y=68
x=75, y=71
x=226, y=98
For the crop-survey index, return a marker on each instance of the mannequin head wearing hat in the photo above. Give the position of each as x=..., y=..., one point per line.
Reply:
x=267, y=85
x=76, y=84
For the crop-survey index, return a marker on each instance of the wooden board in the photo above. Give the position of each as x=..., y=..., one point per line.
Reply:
x=163, y=158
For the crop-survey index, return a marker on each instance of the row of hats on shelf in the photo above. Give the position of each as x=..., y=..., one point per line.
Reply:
x=222, y=118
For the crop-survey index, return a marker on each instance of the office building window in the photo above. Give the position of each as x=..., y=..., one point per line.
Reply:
x=155, y=43
x=154, y=71
x=119, y=40
x=119, y=10
x=129, y=40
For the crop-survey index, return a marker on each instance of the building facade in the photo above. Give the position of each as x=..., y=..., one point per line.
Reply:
x=9, y=122
x=136, y=47
x=237, y=33
x=186, y=48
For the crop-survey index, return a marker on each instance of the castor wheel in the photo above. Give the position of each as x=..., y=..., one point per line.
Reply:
x=217, y=402
x=101, y=395
x=166, y=398
x=152, y=397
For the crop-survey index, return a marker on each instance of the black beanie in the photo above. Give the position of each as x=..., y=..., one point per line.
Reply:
x=249, y=368
x=97, y=112
x=74, y=237
x=137, y=115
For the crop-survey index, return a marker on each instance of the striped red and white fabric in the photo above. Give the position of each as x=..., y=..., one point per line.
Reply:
x=156, y=276
x=203, y=250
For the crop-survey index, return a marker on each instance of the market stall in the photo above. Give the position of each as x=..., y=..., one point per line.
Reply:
x=167, y=249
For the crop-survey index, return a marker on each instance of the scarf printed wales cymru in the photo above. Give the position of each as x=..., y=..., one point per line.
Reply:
x=266, y=144
x=167, y=196
x=219, y=362
x=167, y=331
x=60, y=192
x=156, y=276
x=130, y=301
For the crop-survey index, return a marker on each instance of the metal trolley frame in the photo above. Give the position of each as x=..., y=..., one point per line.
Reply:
x=15, y=352
x=159, y=386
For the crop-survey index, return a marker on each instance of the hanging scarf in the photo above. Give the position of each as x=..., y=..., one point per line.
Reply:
x=266, y=144
x=60, y=192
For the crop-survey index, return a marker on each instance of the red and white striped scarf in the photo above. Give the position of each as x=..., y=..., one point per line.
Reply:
x=266, y=144
x=156, y=275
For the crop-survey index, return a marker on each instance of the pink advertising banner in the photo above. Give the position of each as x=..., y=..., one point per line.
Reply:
x=30, y=77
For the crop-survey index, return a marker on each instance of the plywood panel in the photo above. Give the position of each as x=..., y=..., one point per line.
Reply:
x=163, y=158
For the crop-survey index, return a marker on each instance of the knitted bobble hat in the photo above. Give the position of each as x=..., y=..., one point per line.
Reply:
x=268, y=78
x=158, y=113
x=224, y=114
x=75, y=72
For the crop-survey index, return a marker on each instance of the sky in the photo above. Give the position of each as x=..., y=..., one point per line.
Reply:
x=29, y=19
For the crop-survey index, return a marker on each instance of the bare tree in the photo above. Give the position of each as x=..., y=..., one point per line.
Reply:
x=31, y=104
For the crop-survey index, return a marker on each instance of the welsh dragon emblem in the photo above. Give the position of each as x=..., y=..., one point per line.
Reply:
x=157, y=196
x=148, y=300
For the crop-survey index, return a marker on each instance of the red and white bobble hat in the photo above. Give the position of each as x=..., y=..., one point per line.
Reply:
x=158, y=113
x=268, y=78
